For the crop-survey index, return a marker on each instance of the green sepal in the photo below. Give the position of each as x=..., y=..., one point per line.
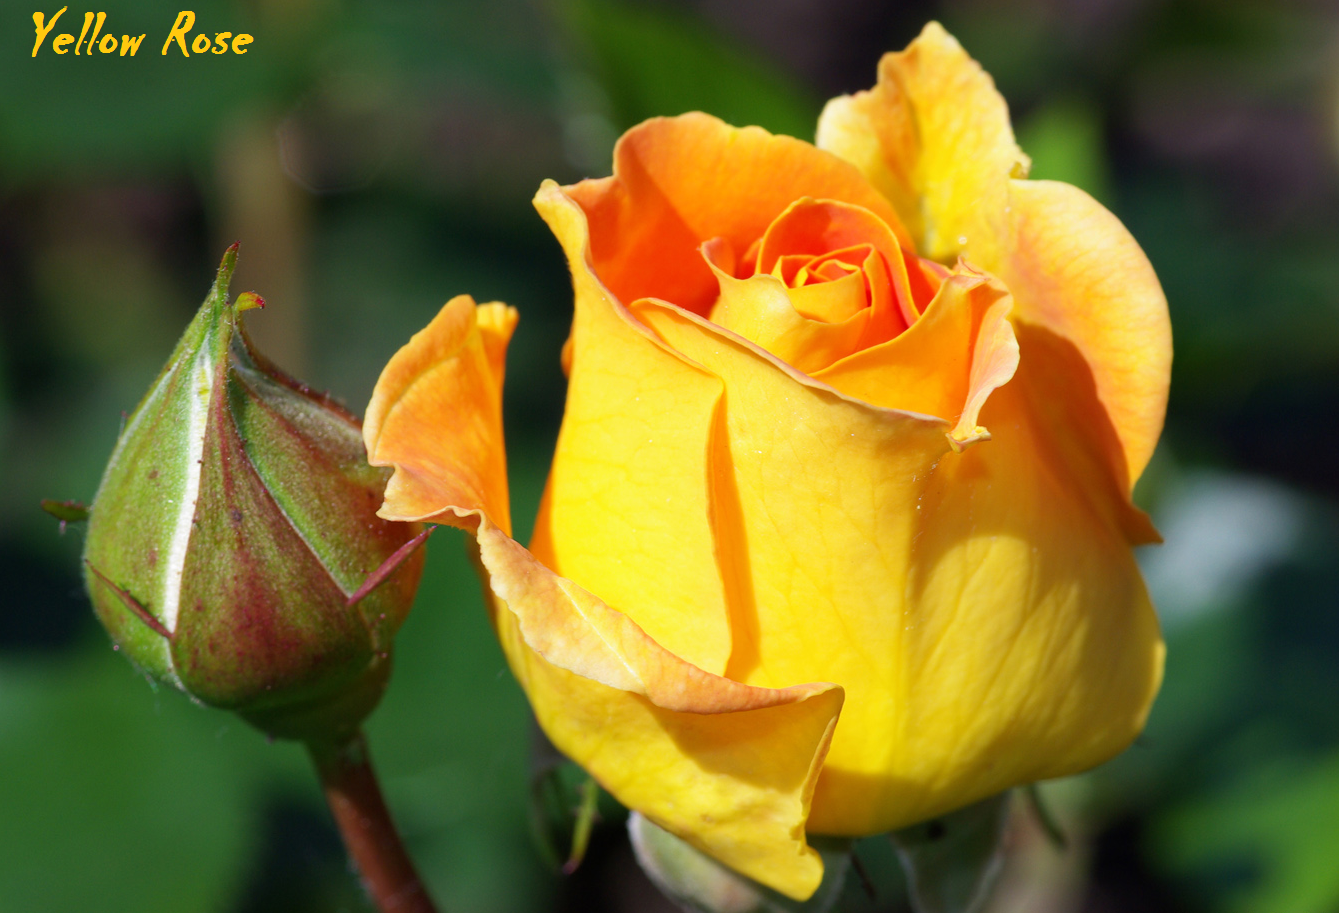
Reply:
x=1045, y=817
x=136, y=511
x=700, y=884
x=563, y=805
x=952, y=861
x=586, y=813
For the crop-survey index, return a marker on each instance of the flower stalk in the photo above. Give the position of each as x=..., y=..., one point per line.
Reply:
x=365, y=824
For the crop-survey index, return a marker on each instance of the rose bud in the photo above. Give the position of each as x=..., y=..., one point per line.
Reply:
x=838, y=536
x=233, y=529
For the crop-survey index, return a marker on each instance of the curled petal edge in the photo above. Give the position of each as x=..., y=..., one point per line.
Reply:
x=571, y=629
x=1077, y=271
x=739, y=802
x=436, y=414
x=994, y=361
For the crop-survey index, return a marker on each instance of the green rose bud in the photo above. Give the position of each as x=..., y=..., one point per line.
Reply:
x=233, y=534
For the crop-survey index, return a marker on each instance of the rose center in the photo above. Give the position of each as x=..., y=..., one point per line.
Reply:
x=825, y=280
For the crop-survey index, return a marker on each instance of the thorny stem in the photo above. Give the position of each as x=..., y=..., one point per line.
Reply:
x=365, y=824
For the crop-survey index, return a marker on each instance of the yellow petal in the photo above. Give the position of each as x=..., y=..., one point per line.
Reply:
x=934, y=136
x=1029, y=635
x=681, y=181
x=814, y=228
x=837, y=299
x=436, y=415
x=575, y=630
x=629, y=487
x=736, y=765
x=994, y=361
x=982, y=610
x=729, y=768
x=762, y=310
x=1075, y=270
x=946, y=364
x=818, y=514
x=1067, y=414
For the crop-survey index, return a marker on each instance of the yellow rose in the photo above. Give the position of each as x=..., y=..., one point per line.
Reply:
x=784, y=578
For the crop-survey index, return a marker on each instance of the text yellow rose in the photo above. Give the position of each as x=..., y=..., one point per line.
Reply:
x=838, y=532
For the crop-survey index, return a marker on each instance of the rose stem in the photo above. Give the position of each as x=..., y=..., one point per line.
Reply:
x=365, y=824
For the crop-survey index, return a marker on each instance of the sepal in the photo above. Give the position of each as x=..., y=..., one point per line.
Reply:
x=700, y=884
x=953, y=861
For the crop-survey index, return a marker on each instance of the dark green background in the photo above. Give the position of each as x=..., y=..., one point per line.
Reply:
x=375, y=159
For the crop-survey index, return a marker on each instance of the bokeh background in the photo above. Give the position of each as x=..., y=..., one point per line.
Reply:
x=375, y=159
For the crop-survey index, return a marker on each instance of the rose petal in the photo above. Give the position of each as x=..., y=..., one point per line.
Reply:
x=1028, y=629
x=810, y=326
x=819, y=227
x=762, y=310
x=934, y=137
x=830, y=269
x=736, y=764
x=735, y=784
x=1066, y=411
x=991, y=582
x=815, y=227
x=837, y=296
x=947, y=364
x=997, y=555
x=631, y=491
x=826, y=496
x=681, y=181
x=436, y=413
x=1076, y=270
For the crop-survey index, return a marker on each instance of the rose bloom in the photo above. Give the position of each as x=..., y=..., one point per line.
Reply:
x=838, y=532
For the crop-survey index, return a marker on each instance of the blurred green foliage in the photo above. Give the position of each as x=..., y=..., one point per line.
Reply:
x=1276, y=827
x=1064, y=138
x=398, y=145
x=630, y=49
